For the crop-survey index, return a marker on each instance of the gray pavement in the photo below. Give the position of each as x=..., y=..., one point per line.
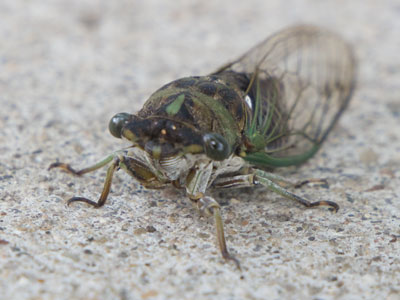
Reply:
x=66, y=67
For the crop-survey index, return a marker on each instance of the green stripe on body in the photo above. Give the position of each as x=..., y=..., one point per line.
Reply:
x=175, y=106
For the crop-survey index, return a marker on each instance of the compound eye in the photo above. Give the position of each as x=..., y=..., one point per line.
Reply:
x=215, y=146
x=117, y=123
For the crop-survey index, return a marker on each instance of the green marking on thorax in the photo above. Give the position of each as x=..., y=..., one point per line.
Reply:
x=175, y=105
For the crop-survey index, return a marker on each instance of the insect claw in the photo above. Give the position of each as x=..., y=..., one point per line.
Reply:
x=333, y=205
x=82, y=199
x=65, y=167
x=228, y=256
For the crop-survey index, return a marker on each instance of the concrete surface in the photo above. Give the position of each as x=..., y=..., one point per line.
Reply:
x=67, y=66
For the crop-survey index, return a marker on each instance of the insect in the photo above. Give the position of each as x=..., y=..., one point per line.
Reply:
x=272, y=107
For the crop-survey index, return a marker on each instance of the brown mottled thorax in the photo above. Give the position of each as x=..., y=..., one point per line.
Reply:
x=208, y=104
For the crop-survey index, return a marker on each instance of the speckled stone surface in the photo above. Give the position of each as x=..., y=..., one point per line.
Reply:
x=67, y=66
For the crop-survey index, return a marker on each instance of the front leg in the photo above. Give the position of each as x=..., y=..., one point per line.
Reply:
x=119, y=160
x=195, y=188
x=107, y=184
x=209, y=206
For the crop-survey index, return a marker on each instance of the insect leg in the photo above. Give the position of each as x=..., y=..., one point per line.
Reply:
x=106, y=188
x=238, y=181
x=282, y=180
x=266, y=179
x=69, y=169
x=107, y=184
x=195, y=189
x=209, y=206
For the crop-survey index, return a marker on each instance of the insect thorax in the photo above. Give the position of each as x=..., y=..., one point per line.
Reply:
x=206, y=104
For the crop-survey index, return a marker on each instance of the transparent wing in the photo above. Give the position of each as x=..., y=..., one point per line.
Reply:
x=301, y=79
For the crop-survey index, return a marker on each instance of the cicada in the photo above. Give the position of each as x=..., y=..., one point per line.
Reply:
x=272, y=107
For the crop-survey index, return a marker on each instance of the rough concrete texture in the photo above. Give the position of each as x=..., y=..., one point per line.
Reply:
x=67, y=66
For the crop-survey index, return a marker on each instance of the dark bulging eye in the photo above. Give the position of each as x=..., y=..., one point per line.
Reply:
x=117, y=123
x=215, y=146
